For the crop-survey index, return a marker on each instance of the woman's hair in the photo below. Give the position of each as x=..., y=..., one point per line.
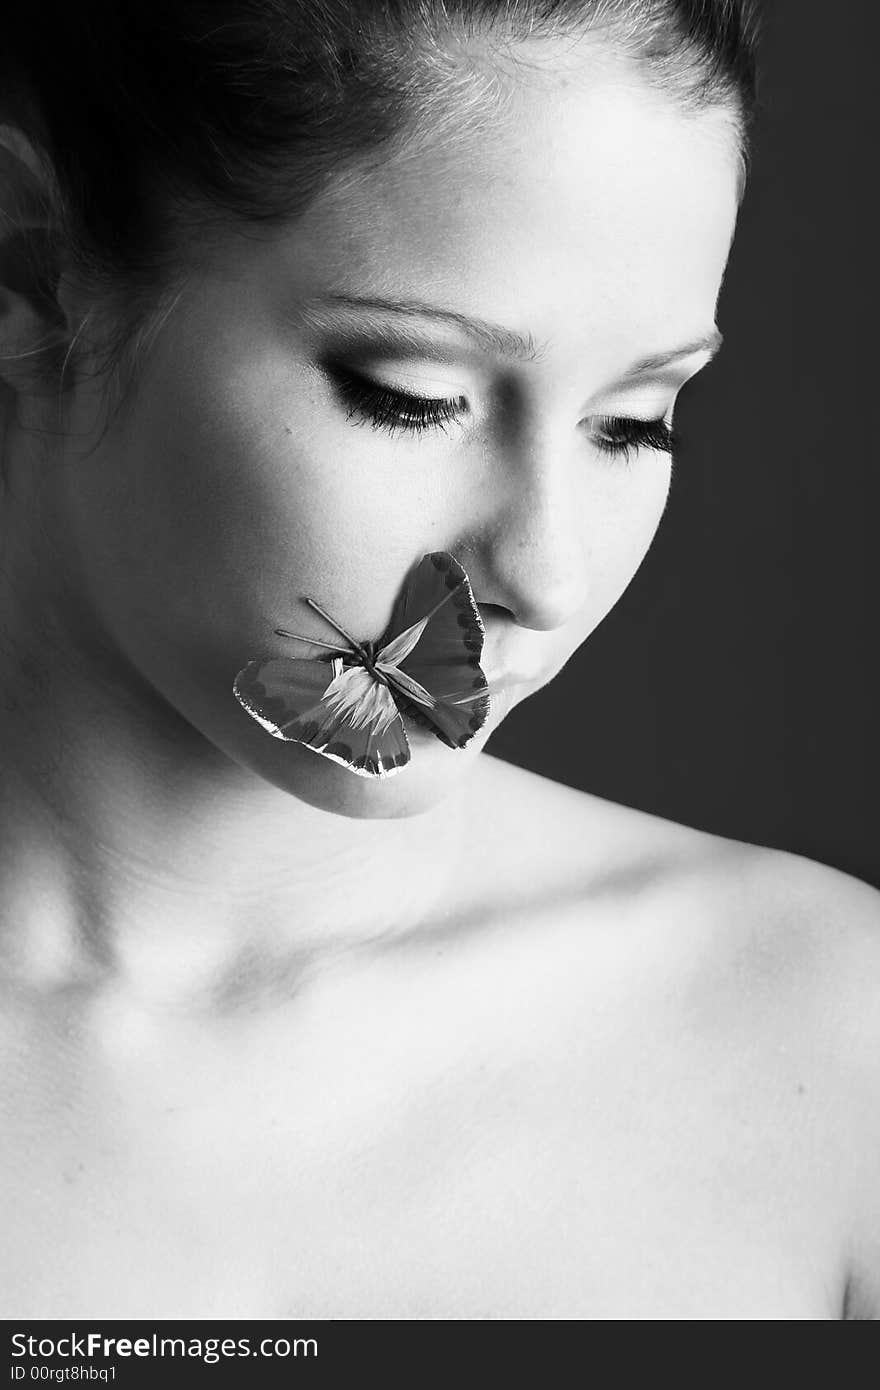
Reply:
x=160, y=122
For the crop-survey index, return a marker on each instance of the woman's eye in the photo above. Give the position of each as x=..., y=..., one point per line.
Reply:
x=620, y=436
x=385, y=408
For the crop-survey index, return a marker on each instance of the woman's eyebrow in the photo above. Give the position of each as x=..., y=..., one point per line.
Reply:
x=492, y=337
x=506, y=342
x=710, y=342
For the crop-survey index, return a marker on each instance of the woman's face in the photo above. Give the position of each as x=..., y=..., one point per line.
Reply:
x=278, y=444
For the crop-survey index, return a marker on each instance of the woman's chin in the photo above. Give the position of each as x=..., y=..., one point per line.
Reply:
x=432, y=774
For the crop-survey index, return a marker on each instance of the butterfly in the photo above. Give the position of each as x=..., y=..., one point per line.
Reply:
x=349, y=704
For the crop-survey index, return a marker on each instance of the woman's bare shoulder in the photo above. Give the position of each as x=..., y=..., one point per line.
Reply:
x=792, y=922
x=787, y=917
x=803, y=944
x=757, y=886
x=777, y=960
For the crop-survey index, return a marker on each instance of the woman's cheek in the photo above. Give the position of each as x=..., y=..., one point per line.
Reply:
x=619, y=534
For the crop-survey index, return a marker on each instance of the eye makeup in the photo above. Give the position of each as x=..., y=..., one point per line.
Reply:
x=384, y=407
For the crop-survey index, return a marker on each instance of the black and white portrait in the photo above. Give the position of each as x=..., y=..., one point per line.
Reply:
x=438, y=836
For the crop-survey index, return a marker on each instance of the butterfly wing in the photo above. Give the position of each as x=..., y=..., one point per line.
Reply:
x=343, y=713
x=445, y=659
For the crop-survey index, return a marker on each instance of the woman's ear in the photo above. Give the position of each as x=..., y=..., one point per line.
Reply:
x=32, y=322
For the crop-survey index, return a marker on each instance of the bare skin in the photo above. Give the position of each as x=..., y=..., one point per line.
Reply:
x=275, y=1042
x=625, y=1078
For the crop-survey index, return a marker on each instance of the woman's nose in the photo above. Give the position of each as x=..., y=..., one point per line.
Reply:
x=532, y=542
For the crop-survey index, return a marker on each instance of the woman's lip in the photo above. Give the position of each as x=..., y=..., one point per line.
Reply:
x=504, y=641
x=503, y=681
x=502, y=676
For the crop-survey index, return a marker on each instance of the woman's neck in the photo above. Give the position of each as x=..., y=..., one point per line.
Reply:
x=134, y=855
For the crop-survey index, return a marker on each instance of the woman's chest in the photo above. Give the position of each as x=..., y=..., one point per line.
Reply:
x=501, y=1196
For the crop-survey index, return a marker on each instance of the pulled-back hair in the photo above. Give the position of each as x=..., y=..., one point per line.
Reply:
x=157, y=122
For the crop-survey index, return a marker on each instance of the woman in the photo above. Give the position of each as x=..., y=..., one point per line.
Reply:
x=296, y=296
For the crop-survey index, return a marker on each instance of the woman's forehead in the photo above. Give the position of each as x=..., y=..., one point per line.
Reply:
x=580, y=201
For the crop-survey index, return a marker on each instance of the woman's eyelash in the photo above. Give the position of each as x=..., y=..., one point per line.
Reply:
x=384, y=408
x=621, y=435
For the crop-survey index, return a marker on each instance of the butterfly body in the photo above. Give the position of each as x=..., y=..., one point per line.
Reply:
x=349, y=705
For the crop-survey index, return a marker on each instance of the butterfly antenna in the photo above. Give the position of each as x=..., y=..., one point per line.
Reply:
x=315, y=641
x=339, y=628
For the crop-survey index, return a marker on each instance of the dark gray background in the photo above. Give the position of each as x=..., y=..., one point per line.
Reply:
x=735, y=686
